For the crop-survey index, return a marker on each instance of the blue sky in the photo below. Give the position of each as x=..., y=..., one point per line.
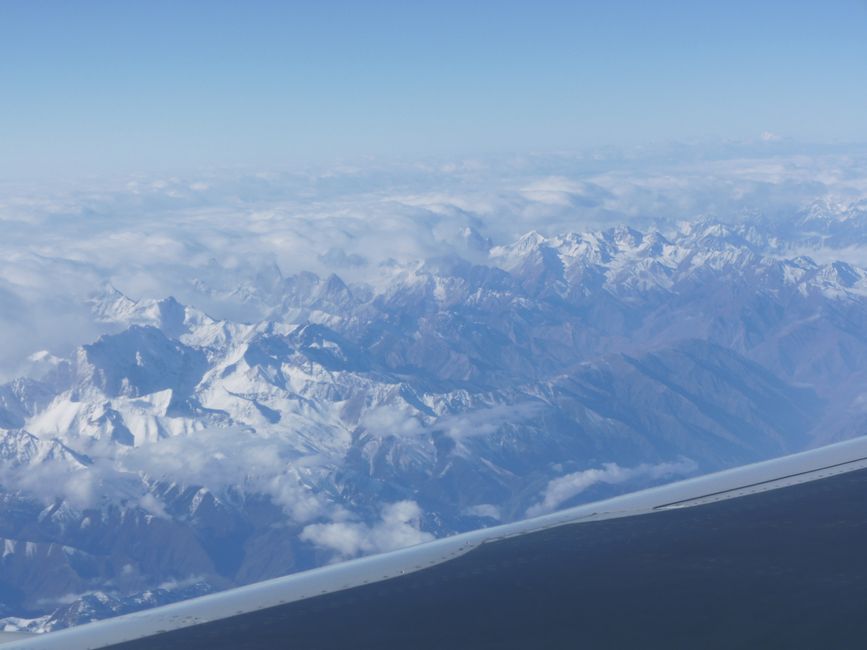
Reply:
x=88, y=86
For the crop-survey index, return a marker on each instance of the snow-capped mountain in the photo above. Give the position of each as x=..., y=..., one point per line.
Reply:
x=179, y=449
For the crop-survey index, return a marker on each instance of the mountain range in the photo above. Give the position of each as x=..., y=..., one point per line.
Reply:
x=179, y=453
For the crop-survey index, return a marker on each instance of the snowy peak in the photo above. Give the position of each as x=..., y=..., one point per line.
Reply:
x=139, y=361
x=175, y=320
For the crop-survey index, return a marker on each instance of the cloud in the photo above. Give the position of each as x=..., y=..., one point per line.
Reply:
x=217, y=460
x=399, y=526
x=564, y=488
x=208, y=238
x=392, y=420
x=220, y=459
x=487, y=510
x=401, y=420
x=81, y=487
x=337, y=258
x=484, y=421
x=565, y=192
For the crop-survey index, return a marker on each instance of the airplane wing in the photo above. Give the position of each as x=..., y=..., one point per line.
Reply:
x=770, y=555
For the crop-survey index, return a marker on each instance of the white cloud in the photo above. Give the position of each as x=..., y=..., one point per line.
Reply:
x=219, y=459
x=202, y=237
x=488, y=510
x=564, y=488
x=399, y=526
x=392, y=420
x=484, y=421
x=214, y=459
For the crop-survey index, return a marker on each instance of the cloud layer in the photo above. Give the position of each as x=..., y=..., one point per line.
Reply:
x=204, y=238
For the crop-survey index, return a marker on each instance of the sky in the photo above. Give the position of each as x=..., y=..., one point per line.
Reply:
x=98, y=87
